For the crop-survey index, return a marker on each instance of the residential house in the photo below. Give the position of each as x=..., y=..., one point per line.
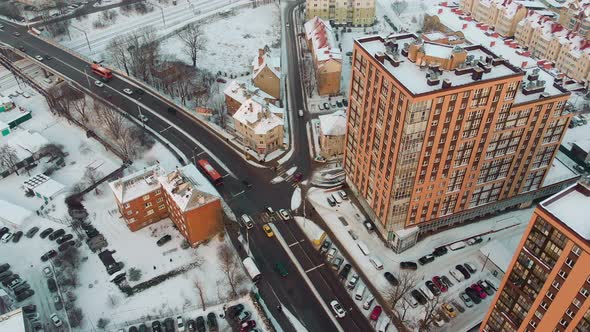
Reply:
x=266, y=72
x=239, y=90
x=345, y=13
x=332, y=134
x=327, y=57
x=258, y=127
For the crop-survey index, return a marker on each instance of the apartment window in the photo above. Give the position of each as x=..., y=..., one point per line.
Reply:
x=563, y=322
x=127, y=205
x=569, y=313
x=150, y=212
x=551, y=296
x=129, y=213
x=544, y=305
x=533, y=323
x=577, y=303
x=162, y=207
x=584, y=292
x=160, y=199
x=563, y=274
x=146, y=197
x=576, y=250
x=148, y=204
x=569, y=262
x=538, y=315
x=555, y=284
x=158, y=192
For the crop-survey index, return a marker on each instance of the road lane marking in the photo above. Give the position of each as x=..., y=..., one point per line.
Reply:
x=163, y=130
x=226, y=175
x=294, y=243
x=238, y=194
x=200, y=153
x=313, y=268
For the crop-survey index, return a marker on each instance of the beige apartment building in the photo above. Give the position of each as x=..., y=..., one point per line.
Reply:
x=575, y=16
x=332, y=134
x=259, y=128
x=439, y=134
x=549, y=40
x=342, y=12
x=239, y=90
x=503, y=15
x=266, y=72
x=327, y=56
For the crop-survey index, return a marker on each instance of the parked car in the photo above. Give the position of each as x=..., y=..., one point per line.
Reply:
x=25, y=295
x=244, y=316
x=440, y=251
x=426, y=259
x=345, y=271
x=57, y=302
x=391, y=278
x=463, y=271
x=281, y=269
x=331, y=253
x=458, y=306
x=48, y=255
x=200, y=323
x=31, y=232
x=336, y=263
x=326, y=106
x=352, y=281
x=4, y=230
x=180, y=323
x=64, y=246
x=247, y=221
x=338, y=103
x=376, y=313
x=417, y=295
x=408, y=265
x=235, y=310
x=470, y=267
x=30, y=308
x=331, y=201
x=47, y=272
x=55, y=320
x=51, y=285
x=466, y=299
x=5, y=275
x=486, y=287
x=169, y=324
x=474, y=240
x=6, y=237
x=284, y=214
x=448, y=310
x=435, y=290
x=446, y=281
x=163, y=240
x=345, y=102
x=368, y=225
x=46, y=232
x=368, y=302
x=139, y=92
x=343, y=194
x=457, y=275
x=473, y=295
x=439, y=284
x=64, y=238
x=480, y=292
x=4, y=267
x=212, y=322
x=338, y=310
x=247, y=326
x=156, y=326
x=325, y=246
x=16, y=237
x=56, y=234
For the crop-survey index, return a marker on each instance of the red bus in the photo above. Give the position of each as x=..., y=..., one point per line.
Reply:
x=210, y=172
x=101, y=71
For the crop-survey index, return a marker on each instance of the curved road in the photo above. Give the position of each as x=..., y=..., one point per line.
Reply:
x=190, y=137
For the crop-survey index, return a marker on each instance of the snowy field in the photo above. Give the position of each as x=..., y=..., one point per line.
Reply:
x=355, y=232
x=233, y=40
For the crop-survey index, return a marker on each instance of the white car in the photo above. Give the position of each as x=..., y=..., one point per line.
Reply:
x=6, y=237
x=338, y=310
x=98, y=84
x=47, y=271
x=343, y=194
x=284, y=214
x=300, y=113
x=127, y=91
x=55, y=320
x=143, y=118
x=457, y=275
x=248, y=222
x=180, y=324
x=38, y=57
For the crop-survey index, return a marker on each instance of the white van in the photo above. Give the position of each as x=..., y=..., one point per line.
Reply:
x=427, y=292
x=248, y=222
x=457, y=245
x=360, y=292
x=368, y=302
x=363, y=247
x=376, y=263
x=383, y=324
x=336, y=197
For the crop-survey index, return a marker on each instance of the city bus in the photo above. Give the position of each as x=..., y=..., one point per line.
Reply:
x=209, y=172
x=104, y=73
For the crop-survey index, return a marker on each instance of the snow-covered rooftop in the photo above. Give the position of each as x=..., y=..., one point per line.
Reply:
x=333, y=124
x=572, y=207
x=5, y=100
x=13, y=321
x=545, y=79
x=498, y=254
x=137, y=184
x=12, y=115
x=266, y=59
x=257, y=117
x=559, y=170
x=413, y=77
x=241, y=89
x=322, y=39
x=44, y=185
x=25, y=143
x=185, y=186
x=13, y=214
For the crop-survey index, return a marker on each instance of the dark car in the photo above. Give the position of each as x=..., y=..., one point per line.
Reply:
x=92, y=232
x=139, y=92
x=446, y=281
x=3, y=231
x=190, y=325
x=339, y=104
x=163, y=240
x=345, y=271
x=171, y=110
x=56, y=234
x=470, y=268
x=417, y=295
x=31, y=232
x=326, y=106
x=391, y=278
x=48, y=255
x=46, y=232
x=29, y=309
x=25, y=295
x=432, y=288
x=133, y=329
x=156, y=326
x=212, y=322
x=21, y=48
x=4, y=267
x=51, y=285
x=21, y=288
x=345, y=102
x=440, y=251
x=10, y=279
x=426, y=259
x=486, y=287
x=169, y=324
x=473, y=295
x=5, y=275
x=66, y=245
x=64, y=238
x=221, y=80
x=48, y=57
x=408, y=265
x=16, y=237
x=200, y=322
x=247, y=184
x=437, y=282
x=247, y=326
x=463, y=271
x=143, y=328
x=235, y=310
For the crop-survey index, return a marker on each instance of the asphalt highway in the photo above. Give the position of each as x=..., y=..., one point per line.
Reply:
x=197, y=142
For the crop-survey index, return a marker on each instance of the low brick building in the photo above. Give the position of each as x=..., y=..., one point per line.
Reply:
x=259, y=127
x=327, y=56
x=266, y=72
x=184, y=195
x=332, y=134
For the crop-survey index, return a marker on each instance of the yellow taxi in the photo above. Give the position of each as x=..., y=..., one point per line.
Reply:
x=267, y=230
x=449, y=310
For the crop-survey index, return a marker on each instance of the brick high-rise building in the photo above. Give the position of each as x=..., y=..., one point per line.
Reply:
x=547, y=284
x=440, y=134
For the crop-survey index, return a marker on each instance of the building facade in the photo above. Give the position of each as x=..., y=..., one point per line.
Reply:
x=332, y=134
x=440, y=134
x=239, y=90
x=150, y=195
x=548, y=282
x=342, y=12
x=575, y=16
x=258, y=127
x=327, y=57
x=503, y=15
x=266, y=72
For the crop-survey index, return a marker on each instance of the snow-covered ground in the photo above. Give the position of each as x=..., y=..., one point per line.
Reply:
x=233, y=40
x=354, y=232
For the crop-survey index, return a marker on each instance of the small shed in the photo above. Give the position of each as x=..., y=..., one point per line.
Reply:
x=44, y=187
x=14, y=216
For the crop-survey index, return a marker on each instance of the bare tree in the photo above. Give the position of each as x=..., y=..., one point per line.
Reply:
x=79, y=106
x=9, y=158
x=92, y=176
x=399, y=6
x=75, y=316
x=52, y=150
x=118, y=53
x=193, y=40
x=58, y=98
x=111, y=119
x=431, y=310
x=199, y=286
x=394, y=295
x=128, y=143
x=229, y=267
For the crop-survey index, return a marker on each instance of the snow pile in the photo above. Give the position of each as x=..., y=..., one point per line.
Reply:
x=333, y=124
x=296, y=199
x=257, y=117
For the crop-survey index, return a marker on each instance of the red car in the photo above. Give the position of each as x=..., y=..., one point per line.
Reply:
x=482, y=294
x=436, y=280
x=221, y=80
x=376, y=313
x=247, y=326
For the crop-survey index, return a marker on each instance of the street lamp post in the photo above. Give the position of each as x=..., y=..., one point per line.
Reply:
x=87, y=79
x=85, y=35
